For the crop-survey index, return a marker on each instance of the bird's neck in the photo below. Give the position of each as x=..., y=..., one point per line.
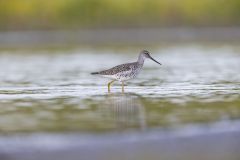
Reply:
x=141, y=60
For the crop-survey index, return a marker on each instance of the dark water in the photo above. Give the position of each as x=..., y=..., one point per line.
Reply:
x=51, y=106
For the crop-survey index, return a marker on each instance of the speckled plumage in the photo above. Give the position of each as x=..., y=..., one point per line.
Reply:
x=122, y=72
x=117, y=69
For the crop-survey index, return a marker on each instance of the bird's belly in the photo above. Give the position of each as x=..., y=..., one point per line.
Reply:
x=124, y=76
x=110, y=76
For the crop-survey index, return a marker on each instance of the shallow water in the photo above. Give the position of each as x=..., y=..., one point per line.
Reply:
x=196, y=92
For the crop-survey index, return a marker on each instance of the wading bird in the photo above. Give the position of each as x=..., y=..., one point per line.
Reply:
x=125, y=71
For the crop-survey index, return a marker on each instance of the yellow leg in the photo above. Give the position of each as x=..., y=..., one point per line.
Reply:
x=109, y=85
x=122, y=86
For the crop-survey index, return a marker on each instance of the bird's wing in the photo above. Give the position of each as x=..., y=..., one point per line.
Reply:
x=117, y=69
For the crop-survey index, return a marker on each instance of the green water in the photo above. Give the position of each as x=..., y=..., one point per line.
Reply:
x=197, y=87
x=111, y=113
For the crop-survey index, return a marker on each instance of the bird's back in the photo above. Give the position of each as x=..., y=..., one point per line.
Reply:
x=119, y=69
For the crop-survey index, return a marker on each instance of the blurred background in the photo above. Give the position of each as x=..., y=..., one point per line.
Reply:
x=75, y=14
x=75, y=22
x=52, y=108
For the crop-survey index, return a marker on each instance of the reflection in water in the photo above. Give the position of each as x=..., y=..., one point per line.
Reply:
x=126, y=110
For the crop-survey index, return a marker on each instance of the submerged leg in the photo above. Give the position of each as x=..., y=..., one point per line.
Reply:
x=122, y=86
x=109, y=85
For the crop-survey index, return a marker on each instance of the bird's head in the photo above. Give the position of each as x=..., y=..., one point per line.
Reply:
x=145, y=54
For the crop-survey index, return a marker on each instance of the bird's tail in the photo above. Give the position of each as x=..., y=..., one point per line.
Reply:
x=93, y=73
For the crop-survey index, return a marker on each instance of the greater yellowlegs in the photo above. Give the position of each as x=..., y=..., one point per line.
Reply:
x=125, y=71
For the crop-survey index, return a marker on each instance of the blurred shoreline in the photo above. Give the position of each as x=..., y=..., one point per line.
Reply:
x=214, y=141
x=140, y=36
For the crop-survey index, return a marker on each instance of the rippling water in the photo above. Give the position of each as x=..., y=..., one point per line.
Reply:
x=44, y=95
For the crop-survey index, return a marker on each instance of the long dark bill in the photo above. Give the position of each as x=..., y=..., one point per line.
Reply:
x=154, y=60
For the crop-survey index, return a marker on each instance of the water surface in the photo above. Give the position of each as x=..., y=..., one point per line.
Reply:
x=51, y=100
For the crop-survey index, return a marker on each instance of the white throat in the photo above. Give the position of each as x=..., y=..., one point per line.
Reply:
x=141, y=59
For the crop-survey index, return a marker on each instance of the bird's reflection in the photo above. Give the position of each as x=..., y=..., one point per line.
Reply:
x=125, y=110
